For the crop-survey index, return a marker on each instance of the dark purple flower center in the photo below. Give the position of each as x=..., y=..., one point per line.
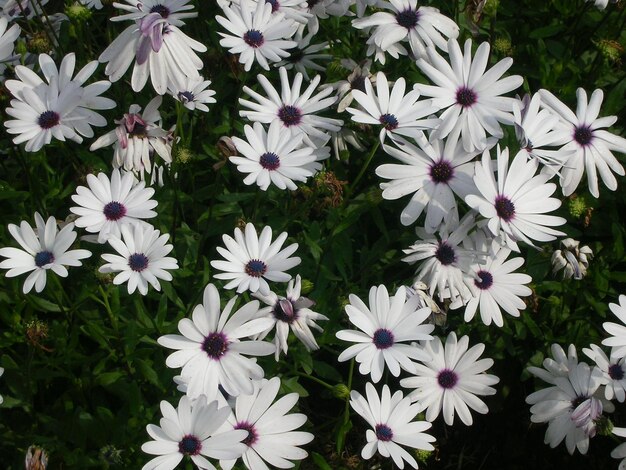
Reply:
x=383, y=338
x=484, y=281
x=312, y=3
x=358, y=83
x=576, y=402
x=42, y=258
x=138, y=262
x=254, y=38
x=255, y=268
x=215, y=345
x=189, y=445
x=465, y=97
x=285, y=310
x=445, y=254
x=441, y=172
x=383, y=432
x=270, y=161
x=252, y=436
x=616, y=372
x=185, y=96
x=408, y=18
x=583, y=135
x=48, y=119
x=505, y=208
x=389, y=121
x=447, y=378
x=295, y=55
x=161, y=10
x=114, y=211
x=275, y=5
x=290, y=115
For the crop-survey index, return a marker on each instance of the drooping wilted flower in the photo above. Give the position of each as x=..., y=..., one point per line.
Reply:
x=573, y=259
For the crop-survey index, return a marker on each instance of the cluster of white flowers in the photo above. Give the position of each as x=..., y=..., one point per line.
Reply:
x=579, y=396
x=473, y=201
x=446, y=378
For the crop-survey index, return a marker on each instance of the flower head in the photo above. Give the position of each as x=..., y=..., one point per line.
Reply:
x=191, y=430
x=291, y=313
x=212, y=349
x=452, y=380
x=384, y=328
x=141, y=260
x=591, y=147
x=272, y=435
x=106, y=203
x=250, y=260
x=517, y=202
x=572, y=259
x=256, y=33
x=391, y=420
x=47, y=249
x=470, y=95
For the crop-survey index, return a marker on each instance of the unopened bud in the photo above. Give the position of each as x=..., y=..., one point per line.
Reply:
x=306, y=286
x=341, y=391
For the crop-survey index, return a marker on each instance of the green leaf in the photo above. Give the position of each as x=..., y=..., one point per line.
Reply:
x=320, y=461
x=344, y=429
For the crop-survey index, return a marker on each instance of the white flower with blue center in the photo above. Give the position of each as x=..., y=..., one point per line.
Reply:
x=385, y=328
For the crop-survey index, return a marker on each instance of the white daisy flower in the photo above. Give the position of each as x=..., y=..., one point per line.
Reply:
x=592, y=146
x=422, y=27
x=83, y=116
x=107, y=204
x=433, y=174
x=250, y=260
x=137, y=137
x=44, y=250
x=294, y=110
x=211, y=350
x=613, y=372
x=385, y=326
x=571, y=408
x=496, y=286
x=191, y=430
x=304, y=55
x=291, y=313
x=380, y=55
x=42, y=113
x=452, y=381
x=325, y=8
x=160, y=50
x=193, y=93
x=273, y=157
x=445, y=262
x=361, y=6
x=470, y=96
x=255, y=33
x=573, y=259
x=142, y=260
x=536, y=128
x=391, y=419
x=272, y=435
x=517, y=203
x=617, y=340
x=396, y=112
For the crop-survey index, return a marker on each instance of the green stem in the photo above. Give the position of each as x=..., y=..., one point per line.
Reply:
x=351, y=188
x=346, y=411
x=315, y=379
